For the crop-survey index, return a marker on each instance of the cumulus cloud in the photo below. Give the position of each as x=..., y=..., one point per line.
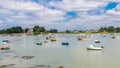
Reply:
x=59, y=14
x=76, y=5
x=19, y=5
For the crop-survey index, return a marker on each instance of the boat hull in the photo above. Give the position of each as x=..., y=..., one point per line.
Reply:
x=94, y=48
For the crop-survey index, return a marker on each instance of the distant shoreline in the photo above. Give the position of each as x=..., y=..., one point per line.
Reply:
x=25, y=34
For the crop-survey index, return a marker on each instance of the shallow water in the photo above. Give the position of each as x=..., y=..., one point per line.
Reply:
x=54, y=55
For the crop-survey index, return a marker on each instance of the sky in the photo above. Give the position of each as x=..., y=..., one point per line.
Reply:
x=60, y=14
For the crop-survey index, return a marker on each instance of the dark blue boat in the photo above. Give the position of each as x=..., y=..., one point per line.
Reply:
x=65, y=43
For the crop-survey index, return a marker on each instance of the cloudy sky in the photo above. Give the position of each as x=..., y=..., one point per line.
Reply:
x=60, y=14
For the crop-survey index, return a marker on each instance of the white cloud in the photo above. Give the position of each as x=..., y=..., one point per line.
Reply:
x=0, y=21
x=77, y=5
x=28, y=14
x=19, y=5
x=5, y=11
x=118, y=7
x=105, y=0
x=115, y=11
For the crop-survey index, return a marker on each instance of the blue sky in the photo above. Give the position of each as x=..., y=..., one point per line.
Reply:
x=60, y=14
x=111, y=5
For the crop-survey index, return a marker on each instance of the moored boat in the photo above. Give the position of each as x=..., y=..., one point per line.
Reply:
x=65, y=43
x=93, y=47
x=113, y=37
x=97, y=41
x=6, y=41
x=5, y=45
x=4, y=48
x=82, y=37
x=55, y=39
x=39, y=43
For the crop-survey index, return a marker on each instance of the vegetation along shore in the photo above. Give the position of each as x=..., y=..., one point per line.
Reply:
x=36, y=30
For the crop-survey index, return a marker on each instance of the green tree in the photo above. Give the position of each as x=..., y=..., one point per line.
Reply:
x=101, y=29
x=2, y=31
x=26, y=30
x=53, y=30
x=68, y=31
x=111, y=29
x=117, y=29
x=42, y=29
x=17, y=29
x=8, y=31
x=36, y=30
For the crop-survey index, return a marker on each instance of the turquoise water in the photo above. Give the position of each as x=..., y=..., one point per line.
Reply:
x=54, y=55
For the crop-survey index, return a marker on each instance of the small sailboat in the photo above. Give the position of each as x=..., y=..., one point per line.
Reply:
x=93, y=47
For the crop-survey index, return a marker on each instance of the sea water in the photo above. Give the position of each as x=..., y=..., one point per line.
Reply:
x=52, y=54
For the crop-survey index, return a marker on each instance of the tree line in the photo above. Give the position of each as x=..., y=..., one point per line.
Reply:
x=11, y=30
x=36, y=30
x=110, y=29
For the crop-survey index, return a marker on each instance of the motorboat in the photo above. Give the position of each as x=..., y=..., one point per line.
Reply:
x=94, y=47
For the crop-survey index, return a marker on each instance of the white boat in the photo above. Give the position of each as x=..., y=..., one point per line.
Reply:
x=93, y=47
